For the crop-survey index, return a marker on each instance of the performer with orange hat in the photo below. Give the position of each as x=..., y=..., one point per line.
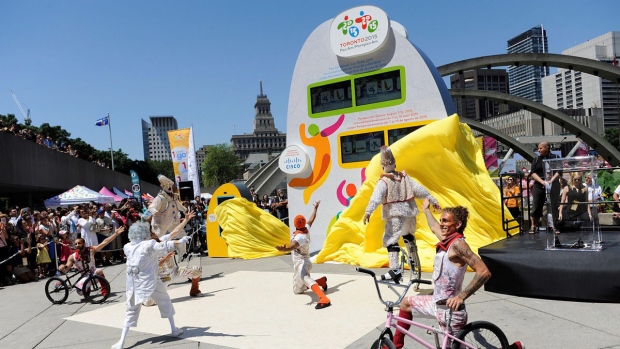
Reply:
x=300, y=246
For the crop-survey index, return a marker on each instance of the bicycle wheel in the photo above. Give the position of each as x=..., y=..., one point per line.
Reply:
x=96, y=289
x=482, y=334
x=383, y=343
x=56, y=290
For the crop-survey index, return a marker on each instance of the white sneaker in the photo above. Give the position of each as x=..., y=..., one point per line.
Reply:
x=177, y=332
x=117, y=345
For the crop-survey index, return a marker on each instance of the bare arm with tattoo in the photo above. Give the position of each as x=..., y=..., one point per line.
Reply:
x=460, y=251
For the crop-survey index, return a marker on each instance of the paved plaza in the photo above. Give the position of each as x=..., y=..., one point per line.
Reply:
x=250, y=304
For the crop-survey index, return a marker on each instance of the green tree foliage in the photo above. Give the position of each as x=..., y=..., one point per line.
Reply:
x=8, y=119
x=161, y=167
x=611, y=136
x=56, y=132
x=220, y=166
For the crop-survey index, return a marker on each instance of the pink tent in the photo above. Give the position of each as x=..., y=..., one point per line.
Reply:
x=105, y=191
x=128, y=193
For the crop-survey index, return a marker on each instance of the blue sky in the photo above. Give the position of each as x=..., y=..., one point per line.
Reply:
x=72, y=62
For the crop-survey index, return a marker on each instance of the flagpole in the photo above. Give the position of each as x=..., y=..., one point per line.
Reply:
x=111, y=147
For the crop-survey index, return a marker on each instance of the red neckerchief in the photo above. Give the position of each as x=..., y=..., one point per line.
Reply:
x=303, y=230
x=445, y=243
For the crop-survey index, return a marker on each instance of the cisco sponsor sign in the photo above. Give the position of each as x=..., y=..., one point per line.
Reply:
x=293, y=160
x=358, y=31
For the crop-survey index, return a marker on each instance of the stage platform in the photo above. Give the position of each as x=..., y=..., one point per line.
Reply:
x=521, y=266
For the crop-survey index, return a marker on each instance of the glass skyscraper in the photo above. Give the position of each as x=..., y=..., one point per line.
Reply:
x=525, y=81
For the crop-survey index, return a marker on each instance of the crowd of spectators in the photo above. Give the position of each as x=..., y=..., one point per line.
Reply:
x=26, y=236
x=30, y=135
x=276, y=205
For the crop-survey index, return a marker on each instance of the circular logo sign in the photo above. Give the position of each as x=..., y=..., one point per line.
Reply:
x=358, y=31
x=212, y=217
x=293, y=160
x=135, y=188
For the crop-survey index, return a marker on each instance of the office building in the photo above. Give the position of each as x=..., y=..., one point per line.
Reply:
x=569, y=89
x=525, y=80
x=265, y=138
x=480, y=79
x=155, y=137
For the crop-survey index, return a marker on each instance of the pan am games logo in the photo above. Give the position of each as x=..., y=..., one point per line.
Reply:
x=358, y=31
x=365, y=20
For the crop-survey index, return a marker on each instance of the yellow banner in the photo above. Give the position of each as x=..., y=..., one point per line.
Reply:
x=179, y=150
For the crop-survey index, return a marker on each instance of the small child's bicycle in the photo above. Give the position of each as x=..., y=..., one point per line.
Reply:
x=96, y=289
x=477, y=334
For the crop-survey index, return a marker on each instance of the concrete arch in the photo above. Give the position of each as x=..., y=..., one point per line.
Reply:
x=598, y=143
x=585, y=65
x=508, y=140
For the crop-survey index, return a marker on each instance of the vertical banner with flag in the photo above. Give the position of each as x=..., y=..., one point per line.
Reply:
x=179, y=149
x=192, y=174
x=135, y=185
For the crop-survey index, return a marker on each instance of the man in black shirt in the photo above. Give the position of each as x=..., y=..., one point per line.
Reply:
x=540, y=186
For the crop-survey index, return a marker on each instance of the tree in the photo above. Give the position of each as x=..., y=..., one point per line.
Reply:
x=611, y=136
x=220, y=166
x=163, y=167
x=8, y=119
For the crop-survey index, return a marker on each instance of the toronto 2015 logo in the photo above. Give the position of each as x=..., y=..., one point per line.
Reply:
x=366, y=22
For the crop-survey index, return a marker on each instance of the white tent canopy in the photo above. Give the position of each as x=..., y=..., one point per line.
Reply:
x=78, y=195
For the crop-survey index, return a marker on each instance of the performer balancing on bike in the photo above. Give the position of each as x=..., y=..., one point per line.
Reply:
x=397, y=192
x=84, y=258
x=451, y=262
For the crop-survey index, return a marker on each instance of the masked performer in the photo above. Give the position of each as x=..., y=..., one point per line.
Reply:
x=143, y=254
x=165, y=208
x=397, y=192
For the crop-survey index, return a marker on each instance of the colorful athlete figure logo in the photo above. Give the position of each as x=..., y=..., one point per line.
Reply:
x=322, y=161
x=365, y=20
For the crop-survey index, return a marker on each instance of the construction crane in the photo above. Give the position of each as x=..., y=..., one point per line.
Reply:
x=27, y=120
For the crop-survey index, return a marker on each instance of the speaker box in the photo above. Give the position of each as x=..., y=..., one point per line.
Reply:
x=186, y=190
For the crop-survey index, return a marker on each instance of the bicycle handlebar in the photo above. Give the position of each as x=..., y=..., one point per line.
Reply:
x=366, y=271
x=372, y=273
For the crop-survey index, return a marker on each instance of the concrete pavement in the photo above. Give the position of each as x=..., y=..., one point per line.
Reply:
x=238, y=292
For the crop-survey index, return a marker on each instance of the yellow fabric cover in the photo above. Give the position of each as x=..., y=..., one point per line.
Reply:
x=249, y=231
x=444, y=157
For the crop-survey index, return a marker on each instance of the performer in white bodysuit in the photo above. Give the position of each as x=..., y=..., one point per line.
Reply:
x=397, y=192
x=143, y=254
x=300, y=247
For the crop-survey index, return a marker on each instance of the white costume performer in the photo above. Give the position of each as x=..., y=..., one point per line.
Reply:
x=397, y=192
x=300, y=248
x=142, y=282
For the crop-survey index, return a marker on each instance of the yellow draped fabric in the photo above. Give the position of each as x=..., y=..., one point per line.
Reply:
x=444, y=157
x=249, y=231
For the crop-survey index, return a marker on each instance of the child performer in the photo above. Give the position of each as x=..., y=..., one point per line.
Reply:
x=300, y=245
x=142, y=282
x=397, y=192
